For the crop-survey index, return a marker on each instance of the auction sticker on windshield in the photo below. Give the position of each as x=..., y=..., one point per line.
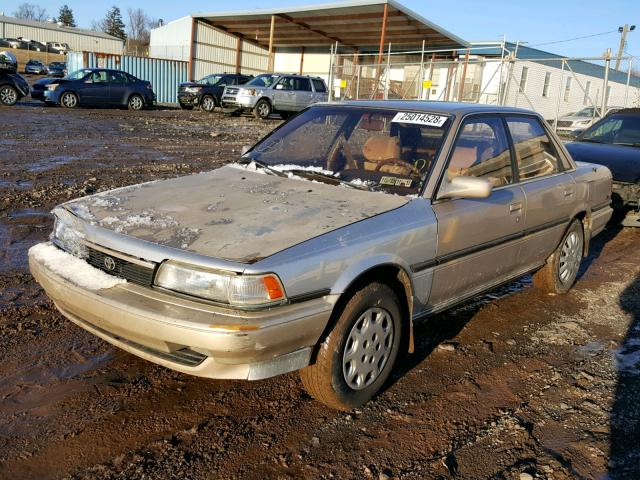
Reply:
x=428, y=119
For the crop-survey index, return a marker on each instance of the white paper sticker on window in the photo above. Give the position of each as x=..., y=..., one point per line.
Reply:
x=428, y=119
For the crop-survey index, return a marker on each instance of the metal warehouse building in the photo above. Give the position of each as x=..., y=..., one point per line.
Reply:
x=77, y=38
x=298, y=39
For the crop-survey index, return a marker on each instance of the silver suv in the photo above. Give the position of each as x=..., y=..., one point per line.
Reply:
x=273, y=93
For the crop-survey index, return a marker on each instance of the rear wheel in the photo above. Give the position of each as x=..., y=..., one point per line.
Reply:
x=560, y=272
x=208, y=103
x=357, y=356
x=136, y=102
x=69, y=100
x=263, y=109
x=8, y=95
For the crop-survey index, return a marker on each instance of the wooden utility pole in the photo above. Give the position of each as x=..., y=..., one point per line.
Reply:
x=383, y=32
x=271, y=32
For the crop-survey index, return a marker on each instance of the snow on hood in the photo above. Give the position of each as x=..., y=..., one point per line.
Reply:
x=231, y=213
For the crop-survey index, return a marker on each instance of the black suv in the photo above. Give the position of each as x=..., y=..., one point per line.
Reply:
x=207, y=91
x=12, y=86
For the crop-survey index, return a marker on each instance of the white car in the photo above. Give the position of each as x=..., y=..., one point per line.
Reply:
x=582, y=119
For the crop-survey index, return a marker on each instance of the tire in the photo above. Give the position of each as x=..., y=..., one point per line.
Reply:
x=8, y=95
x=69, y=100
x=136, y=102
x=208, y=103
x=559, y=273
x=340, y=378
x=263, y=109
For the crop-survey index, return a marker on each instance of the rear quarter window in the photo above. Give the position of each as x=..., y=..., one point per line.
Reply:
x=319, y=86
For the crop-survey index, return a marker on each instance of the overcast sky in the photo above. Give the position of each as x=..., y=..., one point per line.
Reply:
x=535, y=22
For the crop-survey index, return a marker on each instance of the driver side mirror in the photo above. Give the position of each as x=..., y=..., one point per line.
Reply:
x=465, y=187
x=279, y=87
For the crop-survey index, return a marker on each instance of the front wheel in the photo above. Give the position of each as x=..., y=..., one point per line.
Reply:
x=262, y=110
x=136, y=102
x=358, y=354
x=559, y=273
x=8, y=95
x=208, y=103
x=69, y=100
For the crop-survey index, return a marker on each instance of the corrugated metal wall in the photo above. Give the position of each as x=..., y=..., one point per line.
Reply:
x=165, y=75
x=214, y=51
x=77, y=41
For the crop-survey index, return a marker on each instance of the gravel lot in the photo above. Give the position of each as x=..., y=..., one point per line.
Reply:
x=514, y=385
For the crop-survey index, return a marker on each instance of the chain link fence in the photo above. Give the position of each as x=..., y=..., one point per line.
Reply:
x=551, y=85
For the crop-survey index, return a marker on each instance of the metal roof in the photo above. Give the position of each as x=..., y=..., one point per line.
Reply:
x=356, y=24
x=57, y=28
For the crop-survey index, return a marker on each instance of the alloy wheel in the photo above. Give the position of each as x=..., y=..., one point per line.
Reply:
x=136, y=103
x=8, y=95
x=570, y=257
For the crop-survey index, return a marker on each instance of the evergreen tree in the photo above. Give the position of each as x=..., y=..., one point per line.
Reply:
x=66, y=16
x=112, y=23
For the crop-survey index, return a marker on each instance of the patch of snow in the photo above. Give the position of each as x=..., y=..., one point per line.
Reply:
x=82, y=211
x=287, y=167
x=105, y=201
x=72, y=268
x=145, y=219
x=252, y=167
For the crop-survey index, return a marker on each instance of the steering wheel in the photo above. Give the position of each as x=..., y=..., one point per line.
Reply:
x=401, y=163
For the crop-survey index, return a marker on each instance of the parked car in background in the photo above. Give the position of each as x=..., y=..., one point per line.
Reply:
x=615, y=142
x=13, y=87
x=57, y=69
x=286, y=95
x=15, y=43
x=100, y=87
x=35, y=67
x=35, y=46
x=207, y=92
x=579, y=121
x=323, y=245
x=58, y=47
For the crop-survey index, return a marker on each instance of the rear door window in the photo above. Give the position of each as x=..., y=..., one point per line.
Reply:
x=319, y=85
x=536, y=156
x=482, y=151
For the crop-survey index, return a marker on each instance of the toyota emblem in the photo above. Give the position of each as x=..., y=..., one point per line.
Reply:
x=109, y=263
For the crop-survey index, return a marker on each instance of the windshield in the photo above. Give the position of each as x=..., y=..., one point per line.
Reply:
x=210, y=80
x=78, y=74
x=585, y=112
x=376, y=149
x=264, y=80
x=617, y=129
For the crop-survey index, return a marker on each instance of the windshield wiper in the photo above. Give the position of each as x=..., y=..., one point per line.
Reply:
x=326, y=178
x=590, y=140
x=264, y=166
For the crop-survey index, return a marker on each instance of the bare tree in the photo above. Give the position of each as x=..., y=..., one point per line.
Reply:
x=29, y=11
x=139, y=30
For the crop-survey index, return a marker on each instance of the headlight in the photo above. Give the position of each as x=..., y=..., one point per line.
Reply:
x=238, y=290
x=193, y=89
x=68, y=233
x=248, y=91
x=52, y=86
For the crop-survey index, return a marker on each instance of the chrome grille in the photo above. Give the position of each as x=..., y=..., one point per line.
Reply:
x=231, y=91
x=130, y=271
x=565, y=123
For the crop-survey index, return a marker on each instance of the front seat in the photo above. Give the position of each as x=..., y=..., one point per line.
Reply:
x=379, y=148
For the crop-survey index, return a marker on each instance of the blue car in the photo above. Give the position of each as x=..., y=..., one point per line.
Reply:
x=100, y=87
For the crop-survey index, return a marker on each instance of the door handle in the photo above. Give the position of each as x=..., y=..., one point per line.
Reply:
x=568, y=193
x=515, y=207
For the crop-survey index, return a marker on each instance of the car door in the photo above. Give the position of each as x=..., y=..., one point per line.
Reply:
x=549, y=189
x=478, y=239
x=118, y=88
x=304, y=95
x=284, y=94
x=94, y=89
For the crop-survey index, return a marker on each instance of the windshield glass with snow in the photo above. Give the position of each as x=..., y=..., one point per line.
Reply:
x=376, y=149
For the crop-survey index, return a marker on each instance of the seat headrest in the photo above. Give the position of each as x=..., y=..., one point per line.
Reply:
x=378, y=148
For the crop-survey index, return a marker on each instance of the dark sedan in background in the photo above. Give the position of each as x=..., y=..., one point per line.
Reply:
x=57, y=69
x=99, y=87
x=12, y=86
x=615, y=142
x=207, y=92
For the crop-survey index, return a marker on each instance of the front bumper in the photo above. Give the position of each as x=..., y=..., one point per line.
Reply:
x=38, y=95
x=189, y=336
x=189, y=99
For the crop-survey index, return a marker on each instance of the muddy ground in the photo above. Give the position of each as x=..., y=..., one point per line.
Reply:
x=515, y=385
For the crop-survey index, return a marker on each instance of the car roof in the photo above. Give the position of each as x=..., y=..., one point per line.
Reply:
x=450, y=108
x=627, y=111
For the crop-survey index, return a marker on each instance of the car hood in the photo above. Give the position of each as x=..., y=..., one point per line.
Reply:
x=231, y=213
x=43, y=82
x=623, y=161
